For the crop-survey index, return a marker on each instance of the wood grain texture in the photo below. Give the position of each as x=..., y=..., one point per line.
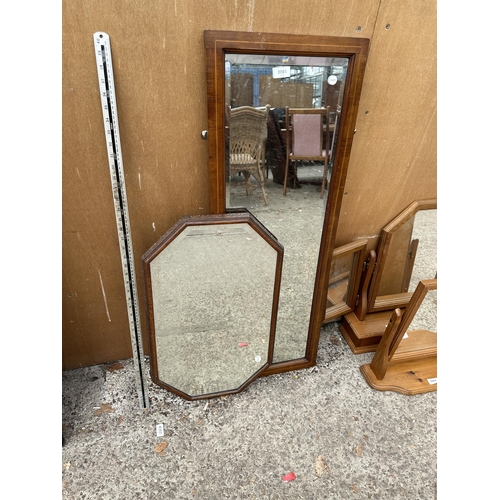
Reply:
x=418, y=344
x=405, y=365
x=408, y=377
x=399, y=229
x=364, y=336
x=160, y=78
x=393, y=159
x=164, y=160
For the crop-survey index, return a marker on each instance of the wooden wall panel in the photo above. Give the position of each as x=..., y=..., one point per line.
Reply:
x=393, y=160
x=241, y=89
x=159, y=67
x=280, y=95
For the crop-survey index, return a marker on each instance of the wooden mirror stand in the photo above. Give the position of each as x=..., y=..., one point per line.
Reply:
x=406, y=358
x=390, y=276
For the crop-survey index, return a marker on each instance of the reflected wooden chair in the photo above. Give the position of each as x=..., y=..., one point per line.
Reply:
x=307, y=137
x=334, y=119
x=247, y=138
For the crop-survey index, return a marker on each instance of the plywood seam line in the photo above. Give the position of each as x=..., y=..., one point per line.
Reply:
x=376, y=21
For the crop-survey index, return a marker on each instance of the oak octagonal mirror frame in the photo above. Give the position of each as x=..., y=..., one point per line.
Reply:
x=283, y=58
x=212, y=288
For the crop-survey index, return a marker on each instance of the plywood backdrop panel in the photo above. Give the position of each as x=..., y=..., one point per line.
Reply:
x=159, y=68
x=393, y=159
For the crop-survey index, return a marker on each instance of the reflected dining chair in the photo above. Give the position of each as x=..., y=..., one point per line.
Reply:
x=307, y=137
x=247, y=137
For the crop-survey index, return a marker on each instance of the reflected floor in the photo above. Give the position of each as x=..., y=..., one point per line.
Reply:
x=296, y=220
x=425, y=230
x=205, y=289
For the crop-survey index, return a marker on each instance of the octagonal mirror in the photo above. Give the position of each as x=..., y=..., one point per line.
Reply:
x=212, y=287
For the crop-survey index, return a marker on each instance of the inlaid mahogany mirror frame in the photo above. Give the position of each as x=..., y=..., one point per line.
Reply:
x=218, y=44
x=376, y=301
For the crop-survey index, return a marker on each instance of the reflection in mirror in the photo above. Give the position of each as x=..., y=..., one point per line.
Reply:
x=412, y=255
x=339, y=279
x=424, y=247
x=426, y=316
x=256, y=69
x=345, y=273
x=407, y=254
x=260, y=80
x=204, y=280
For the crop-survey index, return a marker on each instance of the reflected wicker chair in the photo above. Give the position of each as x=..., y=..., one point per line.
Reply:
x=248, y=134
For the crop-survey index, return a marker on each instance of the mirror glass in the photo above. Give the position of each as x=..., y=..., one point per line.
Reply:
x=296, y=219
x=343, y=281
x=426, y=316
x=412, y=254
x=425, y=251
x=205, y=284
x=340, y=273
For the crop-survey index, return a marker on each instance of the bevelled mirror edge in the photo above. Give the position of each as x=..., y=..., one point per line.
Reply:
x=149, y=256
x=217, y=43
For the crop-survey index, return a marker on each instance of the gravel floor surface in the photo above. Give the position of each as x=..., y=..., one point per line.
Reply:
x=340, y=438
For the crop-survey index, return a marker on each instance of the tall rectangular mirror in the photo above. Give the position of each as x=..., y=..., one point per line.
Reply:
x=256, y=81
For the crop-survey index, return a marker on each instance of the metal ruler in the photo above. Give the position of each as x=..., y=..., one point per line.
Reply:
x=112, y=135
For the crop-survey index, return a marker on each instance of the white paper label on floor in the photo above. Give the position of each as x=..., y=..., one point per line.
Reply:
x=432, y=381
x=159, y=430
x=405, y=336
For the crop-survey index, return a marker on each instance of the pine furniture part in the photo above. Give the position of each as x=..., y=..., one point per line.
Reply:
x=405, y=360
x=395, y=267
x=396, y=256
x=345, y=273
x=364, y=336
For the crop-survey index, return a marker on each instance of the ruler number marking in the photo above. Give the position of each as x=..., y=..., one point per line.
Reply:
x=106, y=83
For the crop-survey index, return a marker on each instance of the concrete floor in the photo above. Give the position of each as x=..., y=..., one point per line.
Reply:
x=340, y=438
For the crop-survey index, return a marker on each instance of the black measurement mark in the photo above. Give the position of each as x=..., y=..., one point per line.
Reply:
x=128, y=282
